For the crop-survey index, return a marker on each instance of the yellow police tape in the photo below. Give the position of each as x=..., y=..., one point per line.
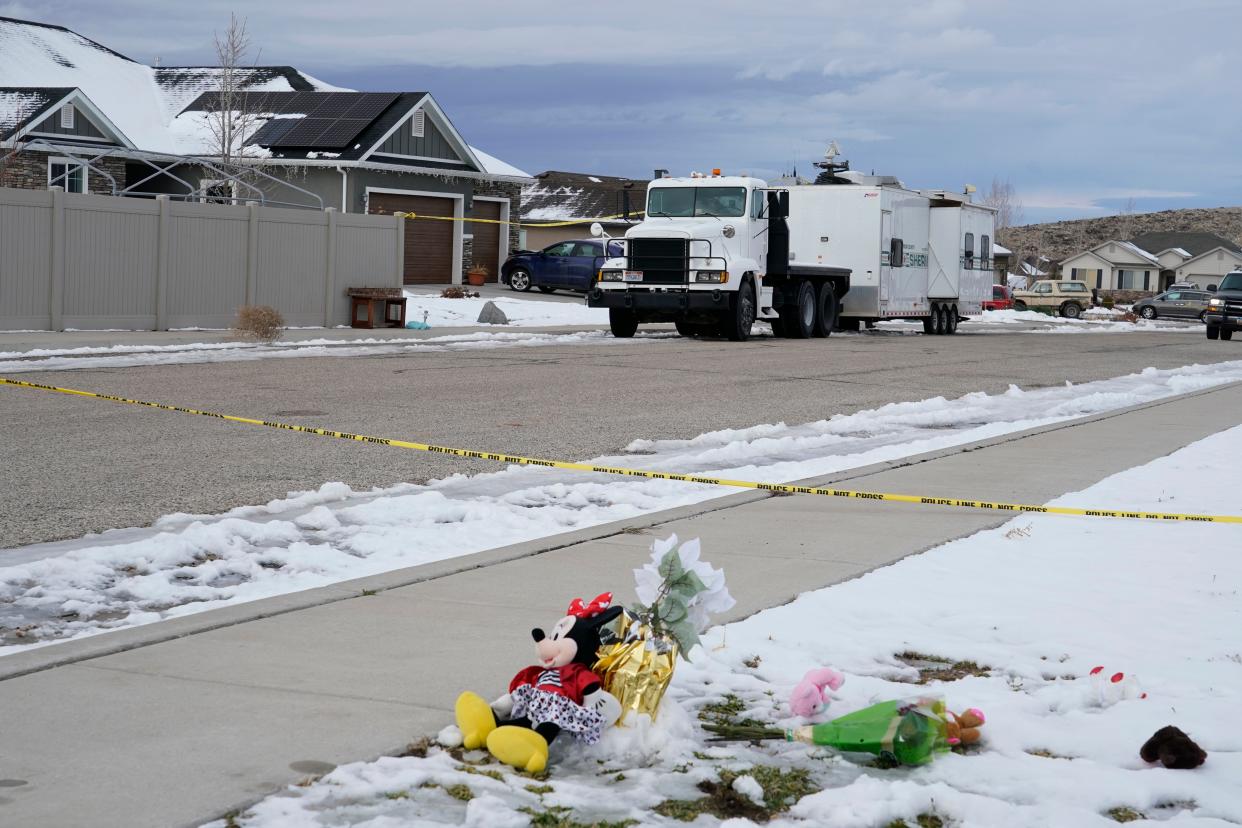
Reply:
x=519, y=223
x=652, y=475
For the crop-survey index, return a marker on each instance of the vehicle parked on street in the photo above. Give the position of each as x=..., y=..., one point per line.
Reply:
x=565, y=265
x=1224, y=314
x=1002, y=299
x=715, y=254
x=1186, y=304
x=1064, y=297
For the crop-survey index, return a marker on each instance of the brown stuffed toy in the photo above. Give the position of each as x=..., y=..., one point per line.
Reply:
x=964, y=729
x=1171, y=747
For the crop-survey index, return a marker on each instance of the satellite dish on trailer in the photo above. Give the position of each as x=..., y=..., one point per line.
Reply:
x=832, y=152
x=597, y=229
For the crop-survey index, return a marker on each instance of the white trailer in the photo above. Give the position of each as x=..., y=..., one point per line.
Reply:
x=717, y=253
x=912, y=254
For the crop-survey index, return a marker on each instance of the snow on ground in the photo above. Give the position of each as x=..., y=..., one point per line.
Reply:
x=522, y=313
x=118, y=356
x=191, y=563
x=1096, y=320
x=1022, y=612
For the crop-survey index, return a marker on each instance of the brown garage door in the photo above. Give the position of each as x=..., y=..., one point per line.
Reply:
x=428, y=243
x=487, y=237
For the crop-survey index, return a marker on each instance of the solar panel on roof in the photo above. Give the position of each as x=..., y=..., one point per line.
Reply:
x=270, y=133
x=342, y=132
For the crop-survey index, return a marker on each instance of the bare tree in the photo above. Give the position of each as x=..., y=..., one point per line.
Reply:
x=1126, y=226
x=231, y=120
x=1004, y=199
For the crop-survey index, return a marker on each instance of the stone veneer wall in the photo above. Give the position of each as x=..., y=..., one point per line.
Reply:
x=28, y=171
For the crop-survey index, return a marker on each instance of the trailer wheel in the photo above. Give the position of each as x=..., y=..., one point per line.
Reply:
x=929, y=323
x=826, y=310
x=622, y=322
x=798, y=319
x=950, y=320
x=741, y=315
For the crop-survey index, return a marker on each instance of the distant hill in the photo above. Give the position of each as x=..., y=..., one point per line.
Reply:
x=1060, y=239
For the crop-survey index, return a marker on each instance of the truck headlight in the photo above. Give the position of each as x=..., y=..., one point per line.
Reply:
x=610, y=275
x=1216, y=302
x=718, y=277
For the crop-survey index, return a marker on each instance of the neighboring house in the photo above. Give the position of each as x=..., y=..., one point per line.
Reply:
x=1002, y=258
x=76, y=114
x=1154, y=261
x=582, y=198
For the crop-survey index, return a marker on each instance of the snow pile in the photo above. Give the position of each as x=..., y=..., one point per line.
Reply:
x=117, y=356
x=1018, y=616
x=522, y=313
x=190, y=563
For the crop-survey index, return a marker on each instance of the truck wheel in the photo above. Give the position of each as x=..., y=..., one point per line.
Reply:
x=1213, y=332
x=950, y=320
x=1019, y=305
x=622, y=322
x=826, y=310
x=1071, y=310
x=741, y=316
x=798, y=319
x=1226, y=334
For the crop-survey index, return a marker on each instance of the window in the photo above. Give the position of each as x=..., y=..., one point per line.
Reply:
x=1073, y=287
x=970, y=250
x=66, y=173
x=985, y=250
x=587, y=249
x=685, y=202
x=562, y=249
x=758, y=204
x=1170, y=297
x=1133, y=280
x=66, y=116
x=1043, y=287
x=418, y=123
x=897, y=253
x=218, y=191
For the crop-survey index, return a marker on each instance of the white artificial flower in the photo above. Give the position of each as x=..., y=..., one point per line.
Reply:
x=715, y=599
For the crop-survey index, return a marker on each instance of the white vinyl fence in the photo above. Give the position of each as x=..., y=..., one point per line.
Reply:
x=70, y=260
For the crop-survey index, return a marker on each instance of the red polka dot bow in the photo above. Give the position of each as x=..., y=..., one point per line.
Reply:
x=598, y=604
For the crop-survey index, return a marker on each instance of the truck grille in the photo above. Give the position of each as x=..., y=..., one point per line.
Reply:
x=662, y=261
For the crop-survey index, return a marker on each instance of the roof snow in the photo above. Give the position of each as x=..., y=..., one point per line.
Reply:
x=1138, y=251
x=17, y=105
x=495, y=166
x=1181, y=251
x=562, y=196
x=1000, y=250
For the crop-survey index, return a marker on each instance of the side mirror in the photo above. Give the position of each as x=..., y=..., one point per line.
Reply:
x=597, y=229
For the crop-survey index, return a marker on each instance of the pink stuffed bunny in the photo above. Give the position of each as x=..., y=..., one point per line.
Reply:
x=809, y=697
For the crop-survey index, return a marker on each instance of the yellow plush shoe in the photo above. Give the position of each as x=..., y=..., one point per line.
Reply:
x=475, y=720
x=520, y=747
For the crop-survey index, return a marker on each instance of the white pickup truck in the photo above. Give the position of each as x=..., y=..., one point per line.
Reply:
x=716, y=253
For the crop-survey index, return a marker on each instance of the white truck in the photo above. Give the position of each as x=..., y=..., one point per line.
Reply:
x=716, y=253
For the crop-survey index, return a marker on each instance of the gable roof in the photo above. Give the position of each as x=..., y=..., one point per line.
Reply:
x=1130, y=247
x=562, y=196
x=1233, y=251
x=20, y=105
x=154, y=108
x=1195, y=244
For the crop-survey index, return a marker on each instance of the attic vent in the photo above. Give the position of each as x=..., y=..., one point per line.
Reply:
x=66, y=116
x=417, y=124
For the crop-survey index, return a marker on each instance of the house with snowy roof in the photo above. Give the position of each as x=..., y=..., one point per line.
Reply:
x=554, y=196
x=1154, y=261
x=77, y=115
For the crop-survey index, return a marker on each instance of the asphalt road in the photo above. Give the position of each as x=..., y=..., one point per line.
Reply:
x=73, y=466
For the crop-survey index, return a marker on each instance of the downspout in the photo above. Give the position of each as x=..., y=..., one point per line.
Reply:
x=344, y=188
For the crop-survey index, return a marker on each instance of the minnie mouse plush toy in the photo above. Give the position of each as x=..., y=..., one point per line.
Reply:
x=559, y=693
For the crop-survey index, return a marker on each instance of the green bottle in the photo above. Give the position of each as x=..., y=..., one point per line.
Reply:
x=908, y=731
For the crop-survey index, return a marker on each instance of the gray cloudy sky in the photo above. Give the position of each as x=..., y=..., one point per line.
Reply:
x=1082, y=104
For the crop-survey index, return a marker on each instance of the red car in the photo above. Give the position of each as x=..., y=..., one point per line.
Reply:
x=1001, y=299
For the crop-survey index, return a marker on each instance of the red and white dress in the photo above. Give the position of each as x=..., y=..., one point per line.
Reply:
x=555, y=695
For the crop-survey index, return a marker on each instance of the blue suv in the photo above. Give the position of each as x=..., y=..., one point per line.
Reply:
x=567, y=265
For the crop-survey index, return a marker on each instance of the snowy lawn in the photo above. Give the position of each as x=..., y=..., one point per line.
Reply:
x=1032, y=322
x=1010, y=620
x=522, y=313
x=191, y=563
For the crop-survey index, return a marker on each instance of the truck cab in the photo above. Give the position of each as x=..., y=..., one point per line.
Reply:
x=711, y=256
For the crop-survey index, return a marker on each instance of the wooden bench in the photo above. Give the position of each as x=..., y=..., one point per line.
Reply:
x=376, y=307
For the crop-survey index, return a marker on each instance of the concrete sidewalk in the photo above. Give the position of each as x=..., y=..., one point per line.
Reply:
x=186, y=720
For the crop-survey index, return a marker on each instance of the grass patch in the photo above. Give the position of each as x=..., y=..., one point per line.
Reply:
x=1124, y=813
x=726, y=711
x=461, y=793
x=935, y=668
x=488, y=772
x=924, y=820
x=561, y=817
x=1047, y=754
x=417, y=749
x=540, y=790
x=781, y=789
x=753, y=662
